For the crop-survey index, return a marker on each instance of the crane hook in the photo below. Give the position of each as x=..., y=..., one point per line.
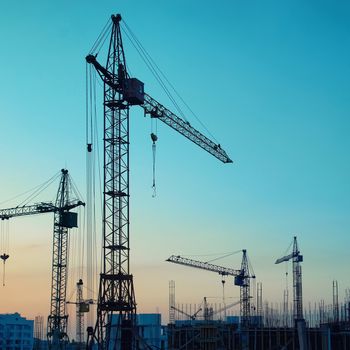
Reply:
x=154, y=138
x=4, y=257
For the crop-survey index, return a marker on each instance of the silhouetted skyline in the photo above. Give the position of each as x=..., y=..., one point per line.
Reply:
x=269, y=80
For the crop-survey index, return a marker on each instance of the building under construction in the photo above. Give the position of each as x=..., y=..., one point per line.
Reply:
x=258, y=326
x=224, y=335
x=325, y=329
x=118, y=326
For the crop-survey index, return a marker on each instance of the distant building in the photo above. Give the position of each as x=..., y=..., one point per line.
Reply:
x=149, y=326
x=150, y=331
x=16, y=332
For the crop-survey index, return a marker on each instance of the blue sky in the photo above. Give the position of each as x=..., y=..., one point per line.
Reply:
x=269, y=79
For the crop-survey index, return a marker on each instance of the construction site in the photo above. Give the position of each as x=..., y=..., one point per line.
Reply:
x=97, y=308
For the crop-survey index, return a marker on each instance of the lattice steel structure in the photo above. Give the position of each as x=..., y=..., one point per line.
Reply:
x=245, y=291
x=116, y=308
x=79, y=315
x=297, y=282
x=241, y=278
x=63, y=221
x=171, y=301
x=116, y=301
x=297, y=258
x=40, y=208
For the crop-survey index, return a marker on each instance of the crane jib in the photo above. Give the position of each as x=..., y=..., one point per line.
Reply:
x=133, y=94
x=156, y=110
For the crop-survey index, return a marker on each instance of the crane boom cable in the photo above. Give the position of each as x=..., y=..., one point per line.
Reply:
x=288, y=249
x=156, y=68
x=36, y=188
x=101, y=38
x=75, y=189
x=224, y=256
x=144, y=56
x=251, y=270
x=39, y=190
x=211, y=254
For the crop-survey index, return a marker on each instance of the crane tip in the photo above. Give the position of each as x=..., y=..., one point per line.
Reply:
x=116, y=18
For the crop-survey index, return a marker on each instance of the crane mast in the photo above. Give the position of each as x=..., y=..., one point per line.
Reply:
x=115, y=326
x=79, y=313
x=244, y=290
x=81, y=307
x=116, y=296
x=297, y=282
x=63, y=221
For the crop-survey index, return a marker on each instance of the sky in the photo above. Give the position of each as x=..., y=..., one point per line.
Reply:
x=270, y=80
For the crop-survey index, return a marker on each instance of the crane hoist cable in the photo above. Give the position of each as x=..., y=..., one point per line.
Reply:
x=5, y=245
x=154, y=139
x=90, y=90
x=251, y=270
x=89, y=245
x=4, y=257
x=76, y=263
x=164, y=83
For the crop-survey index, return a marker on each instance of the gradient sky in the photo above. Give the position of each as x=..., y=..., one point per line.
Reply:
x=269, y=79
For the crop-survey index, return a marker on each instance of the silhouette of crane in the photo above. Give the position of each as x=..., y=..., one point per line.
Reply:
x=241, y=278
x=82, y=306
x=299, y=320
x=297, y=258
x=116, y=299
x=64, y=219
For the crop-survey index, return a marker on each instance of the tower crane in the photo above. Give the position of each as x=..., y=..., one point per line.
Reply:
x=116, y=306
x=82, y=306
x=299, y=320
x=64, y=219
x=297, y=258
x=241, y=279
